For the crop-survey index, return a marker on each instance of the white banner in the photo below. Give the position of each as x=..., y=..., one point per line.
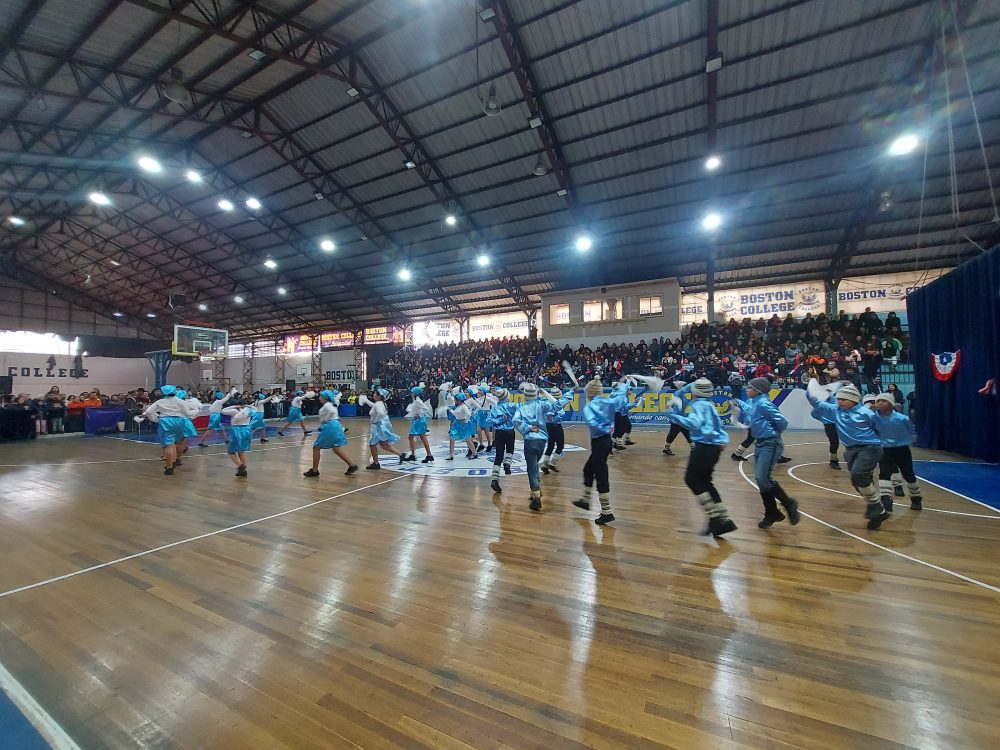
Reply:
x=34, y=375
x=498, y=326
x=339, y=367
x=758, y=302
x=882, y=293
x=431, y=332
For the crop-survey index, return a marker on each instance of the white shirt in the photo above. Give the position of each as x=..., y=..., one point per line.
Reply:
x=328, y=412
x=462, y=413
x=240, y=414
x=216, y=407
x=169, y=406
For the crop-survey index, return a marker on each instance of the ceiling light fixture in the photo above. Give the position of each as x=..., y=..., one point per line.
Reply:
x=904, y=144
x=483, y=260
x=256, y=54
x=535, y=122
x=487, y=14
x=282, y=291
x=271, y=263
x=253, y=204
x=562, y=192
x=149, y=164
x=540, y=170
x=202, y=306
x=584, y=243
x=193, y=176
x=238, y=299
x=352, y=92
x=491, y=107
x=118, y=314
x=99, y=198
x=246, y=134
x=226, y=205
x=17, y=221
x=404, y=274
x=712, y=163
x=450, y=220
x=115, y=263
x=318, y=196
x=328, y=245
x=711, y=221
x=409, y=164
x=150, y=315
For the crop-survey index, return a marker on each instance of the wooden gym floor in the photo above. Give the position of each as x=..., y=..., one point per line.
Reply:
x=395, y=611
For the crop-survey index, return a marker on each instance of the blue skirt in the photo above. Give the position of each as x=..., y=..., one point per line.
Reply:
x=331, y=435
x=419, y=426
x=461, y=430
x=482, y=419
x=215, y=420
x=382, y=433
x=257, y=420
x=171, y=430
x=294, y=414
x=189, y=429
x=240, y=439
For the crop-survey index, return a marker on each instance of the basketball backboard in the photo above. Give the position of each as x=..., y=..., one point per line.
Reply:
x=194, y=341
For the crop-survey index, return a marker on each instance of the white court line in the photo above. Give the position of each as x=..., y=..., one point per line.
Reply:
x=938, y=568
x=162, y=547
x=959, y=494
x=188, y=456
x=46, y=726
x=792, y=474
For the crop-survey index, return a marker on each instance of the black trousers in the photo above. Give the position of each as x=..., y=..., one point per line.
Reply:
x=503, y=442
x=748, y=440
x=621, y=426
x=557, y=438
x=597, y=464
x=675, y=430
x=833, y=437
x=628, y=424
x=701, y=464
x=897, y=458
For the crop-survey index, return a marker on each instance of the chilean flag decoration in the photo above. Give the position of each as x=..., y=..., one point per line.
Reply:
x=945, y=364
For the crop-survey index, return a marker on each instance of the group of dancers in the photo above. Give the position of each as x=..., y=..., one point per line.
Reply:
x=877, y=438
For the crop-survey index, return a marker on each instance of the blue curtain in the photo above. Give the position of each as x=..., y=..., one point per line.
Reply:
x=958, y=312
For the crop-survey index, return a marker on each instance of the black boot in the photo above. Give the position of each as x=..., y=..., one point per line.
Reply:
x=898, y=491
x=771, y=513
x=887, y=503
x=790, y=505
x=916, y=502
x=720, y=526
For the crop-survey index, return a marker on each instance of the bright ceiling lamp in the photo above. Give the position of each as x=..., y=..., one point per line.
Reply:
x=17, y=221
x=149, y=164
x=483, y=260
x=282, y=291
x=711, y=221
x=271, y=263
x=491, y=107
x=99, y=198
x=450, y=220
x=238, y=299
x=328, y=246
x=712, y=163
x=202, y=306
x=253, y=204
x=404, y=274
x=904, y=144
x=193, y=176
x=226, y=205
x=583, y=243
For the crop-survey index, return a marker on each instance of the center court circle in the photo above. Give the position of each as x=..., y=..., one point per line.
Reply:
x=460, y=466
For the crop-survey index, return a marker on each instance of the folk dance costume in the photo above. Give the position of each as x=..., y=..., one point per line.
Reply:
x=766, y=426
x=331, y=434
x=530, y=421
x=858, y=431
x=257, y=422
x=172, y=417
x=462, y=427
x=501, y=420
x=417, y=412
x=619, y=395
x=708, y=440
x=896, y=432
x=739, y=453
x=675, y=429
x=215, y=415
x=240, y=439
x=381, y=429
x=295, y=412
x=557, y=435
x=599, y=414
x=482, y=402
x=869, y=400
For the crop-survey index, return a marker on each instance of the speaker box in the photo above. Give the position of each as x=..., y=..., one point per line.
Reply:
x=6, y=385
x=290, y=386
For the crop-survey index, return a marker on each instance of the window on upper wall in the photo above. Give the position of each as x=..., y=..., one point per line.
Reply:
x=652, y=305
x=558, y=315
x=28, y=342
x=597, y=311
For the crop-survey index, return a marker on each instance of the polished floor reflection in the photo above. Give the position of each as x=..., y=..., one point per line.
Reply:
x=387, y=610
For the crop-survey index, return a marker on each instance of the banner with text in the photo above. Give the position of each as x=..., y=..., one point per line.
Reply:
x=883, y=293
x=432, y=332
x=497, y=326
x=757, y=302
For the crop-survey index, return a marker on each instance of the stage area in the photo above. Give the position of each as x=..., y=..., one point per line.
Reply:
x=399, y=610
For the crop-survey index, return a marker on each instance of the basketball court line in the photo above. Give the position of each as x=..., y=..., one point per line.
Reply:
x=187, y=457
x=47, y=727
x=179, y=542
x=851, y=494
x=870, y=543
x=959, y=494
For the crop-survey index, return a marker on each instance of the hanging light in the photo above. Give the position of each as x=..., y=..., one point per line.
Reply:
x=282, y=291
x=540, y=170
x=483, y=260
x=149, y=164
x=271, y=263
x=253, y=204
x=712, y=163
x=193, y=176
x=226, y=205
x=904, y=144
x=328, y=245
x=491, y=107
x=202, y=306
x=404, y=274
x=711, y=221
x=99, y=198
x=17, y=221
x=584, y=243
